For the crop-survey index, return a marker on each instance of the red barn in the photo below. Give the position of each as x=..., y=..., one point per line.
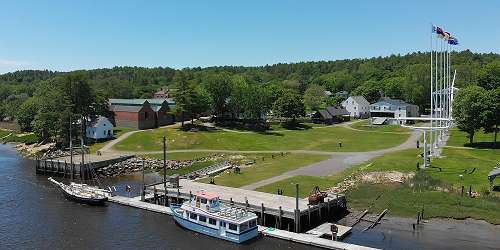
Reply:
x=141, y=113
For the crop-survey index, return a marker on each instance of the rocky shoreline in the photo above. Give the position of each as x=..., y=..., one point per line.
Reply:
x=133, y=165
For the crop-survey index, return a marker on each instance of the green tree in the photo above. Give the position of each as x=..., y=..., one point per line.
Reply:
x=314, y=97
x=202, y=102
x=219, y=88
x=290, y=105
x=489, y=75
x=256, y=103
x=26, y=113
x=491, y=114
x=467, y=109
x=183, y=96
x=236, y=99
x=371, y=90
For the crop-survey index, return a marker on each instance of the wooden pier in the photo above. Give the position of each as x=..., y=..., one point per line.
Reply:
x=63, y=168
x=307, y=239
x=281, y=212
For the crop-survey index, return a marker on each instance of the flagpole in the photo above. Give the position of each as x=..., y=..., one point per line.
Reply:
x=436, y=80
x=432, y=102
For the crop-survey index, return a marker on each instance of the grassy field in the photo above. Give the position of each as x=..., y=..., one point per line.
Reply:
x=180, y=156
x=365, y=125
x=459, y=167
x=265, y=167
x=16, y=137
x=321, y=139
x=403, y=200
x=459, y=139
x=94, y=147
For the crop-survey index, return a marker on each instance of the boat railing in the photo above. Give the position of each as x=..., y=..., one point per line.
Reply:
x=233, y=212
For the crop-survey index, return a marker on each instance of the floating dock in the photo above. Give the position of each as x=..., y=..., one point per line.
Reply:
x=307, y=239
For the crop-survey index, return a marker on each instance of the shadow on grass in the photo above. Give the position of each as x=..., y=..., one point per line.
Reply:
x=483, y=145
x=296, y=126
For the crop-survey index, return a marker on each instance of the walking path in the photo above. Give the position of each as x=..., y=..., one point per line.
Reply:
x=339, y=162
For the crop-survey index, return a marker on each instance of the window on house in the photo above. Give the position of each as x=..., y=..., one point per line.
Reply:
x=145, y=115
x=202, y=218
x=212, y=221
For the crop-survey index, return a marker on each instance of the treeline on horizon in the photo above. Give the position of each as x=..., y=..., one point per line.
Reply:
x=403, y=77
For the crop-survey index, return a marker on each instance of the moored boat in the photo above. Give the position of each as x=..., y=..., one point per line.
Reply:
x=205, y=213
x=82, y=193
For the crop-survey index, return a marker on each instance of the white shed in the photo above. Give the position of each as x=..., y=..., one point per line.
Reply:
x=101, y=128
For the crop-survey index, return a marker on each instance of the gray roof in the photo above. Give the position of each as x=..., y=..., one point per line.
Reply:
x=325, y=114
x=360, y=100
x=125, y=108
x=97, y=120
x=392, y=102
x=140, y=102
x=336, y=111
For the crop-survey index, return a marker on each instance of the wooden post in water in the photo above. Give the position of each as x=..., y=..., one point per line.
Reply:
x=297, y=211
x=262, y=221
x=143, y=186
x=280, y=218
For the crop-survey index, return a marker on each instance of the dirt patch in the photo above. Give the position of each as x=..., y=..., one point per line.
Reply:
x=386, y=177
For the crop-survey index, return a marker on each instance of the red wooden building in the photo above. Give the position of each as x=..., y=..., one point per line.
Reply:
x=142, y=113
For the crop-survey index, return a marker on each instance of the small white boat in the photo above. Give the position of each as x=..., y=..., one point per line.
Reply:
x=82, y=193
x=206, y=214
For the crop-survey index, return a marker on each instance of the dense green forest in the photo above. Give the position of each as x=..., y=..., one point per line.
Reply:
x=248, y=92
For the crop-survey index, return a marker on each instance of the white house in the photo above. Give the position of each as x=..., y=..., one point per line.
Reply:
x=389, y=110
x=357, y=106
x=101, y=128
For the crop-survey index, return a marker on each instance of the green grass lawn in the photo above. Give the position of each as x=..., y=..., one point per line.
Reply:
x=459, y=138
x=29, y=138
x=402, y=200
x=324, y=139
x=94, y=147
x=365, y=125
x=180, y=156
x=267, y=168
x=406, y=200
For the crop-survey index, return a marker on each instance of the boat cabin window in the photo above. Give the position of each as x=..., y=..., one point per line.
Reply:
x=203, y=201
x=233, y=227
x=212, y=221
x=244, y=226
x=223, y=224
x=253, y=223
x=192, y=216
x=202, y=218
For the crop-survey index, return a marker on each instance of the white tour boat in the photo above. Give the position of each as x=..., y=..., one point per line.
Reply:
x=206, y=214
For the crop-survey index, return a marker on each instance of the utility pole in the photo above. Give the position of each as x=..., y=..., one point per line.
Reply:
x=165, y=169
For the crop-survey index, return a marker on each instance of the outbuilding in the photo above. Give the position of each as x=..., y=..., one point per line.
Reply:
x=100, y=128
x=357, y=106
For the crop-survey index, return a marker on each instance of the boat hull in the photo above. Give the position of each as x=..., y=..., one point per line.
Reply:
x=88, y=201
x=236, y=238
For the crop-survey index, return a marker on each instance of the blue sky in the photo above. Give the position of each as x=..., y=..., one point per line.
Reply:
x=68, y=35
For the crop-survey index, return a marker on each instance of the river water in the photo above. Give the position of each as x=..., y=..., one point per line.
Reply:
x=34, y=215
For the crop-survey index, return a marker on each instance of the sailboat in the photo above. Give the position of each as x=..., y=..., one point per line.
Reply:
x=81, y=192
